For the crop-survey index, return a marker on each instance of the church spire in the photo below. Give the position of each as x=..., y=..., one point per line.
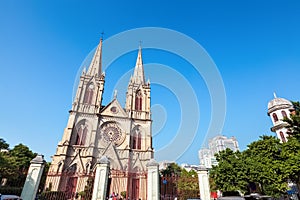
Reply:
x=138, y=75
x=95, y=67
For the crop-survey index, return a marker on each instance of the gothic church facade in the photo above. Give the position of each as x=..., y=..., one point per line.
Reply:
x=93, y=130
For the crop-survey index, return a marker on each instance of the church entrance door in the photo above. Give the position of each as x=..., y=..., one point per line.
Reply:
x=135, y=188
x=71, y=186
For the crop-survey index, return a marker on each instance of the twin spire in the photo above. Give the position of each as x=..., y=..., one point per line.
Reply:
x=138, y=75
x=95, y=67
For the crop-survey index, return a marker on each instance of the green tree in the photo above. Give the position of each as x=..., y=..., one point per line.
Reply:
x=14, y=163
x=3, y=144
x=8, y=166
x=230, y=173
x=213, y=186
x=266, y=162
x=188, y=186
x=294, y=122
x=265, y=165
x=180, y=181
x=172, y=170
x=291, y=149
x=22, y=155
x=291, y=159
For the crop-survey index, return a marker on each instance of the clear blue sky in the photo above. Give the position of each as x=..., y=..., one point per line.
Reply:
x=254, y=44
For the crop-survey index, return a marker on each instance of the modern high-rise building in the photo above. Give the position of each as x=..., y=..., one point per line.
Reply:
x=220, y=143
x=216, y=144
x=94, y=130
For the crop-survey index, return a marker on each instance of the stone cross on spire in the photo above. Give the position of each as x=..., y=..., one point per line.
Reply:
x=138, y=75
x=95, y=67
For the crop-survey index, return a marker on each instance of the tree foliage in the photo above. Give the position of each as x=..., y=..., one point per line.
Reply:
x=291, y=149
x=264, y=165
x=291, y=157
x=172, y=170
x=3, y=144
x=184, y=183
x=229, y=174
x=294, y=121
x=266, y=162
x=14, y=163
x=23, y=155
x=8, y=167
x=188, y=180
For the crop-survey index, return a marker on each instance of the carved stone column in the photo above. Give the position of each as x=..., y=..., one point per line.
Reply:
x=153, y=180
x=203, y=183
x=33, y=178
x=101, y=179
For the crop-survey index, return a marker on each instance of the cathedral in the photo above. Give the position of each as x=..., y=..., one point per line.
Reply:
x=94, y=130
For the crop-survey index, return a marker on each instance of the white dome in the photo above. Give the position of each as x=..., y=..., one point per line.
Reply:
x=279, y=103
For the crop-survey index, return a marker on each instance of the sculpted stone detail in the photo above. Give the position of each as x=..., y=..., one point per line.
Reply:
x=111, y=132
x=114, y=110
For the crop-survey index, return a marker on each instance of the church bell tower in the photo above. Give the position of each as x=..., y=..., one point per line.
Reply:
x=94, y=130
x=138, y=92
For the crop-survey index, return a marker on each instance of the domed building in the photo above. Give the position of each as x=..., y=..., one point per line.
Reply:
x=278, y=109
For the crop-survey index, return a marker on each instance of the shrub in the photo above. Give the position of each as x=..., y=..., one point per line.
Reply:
x=11, y=190
x=57, y=195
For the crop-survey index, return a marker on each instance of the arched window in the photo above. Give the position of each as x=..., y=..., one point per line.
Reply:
x=88, y=167
x=137, y=139
x=134, y=142
x=138, y=100
x=88, y=97
x=275, y=117
x=72, y=169
x=284, y=115
x=282, y=136
x=59, y=167
x=81, y=132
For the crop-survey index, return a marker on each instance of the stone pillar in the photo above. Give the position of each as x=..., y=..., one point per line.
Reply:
x=203, y=183
x=101, y=179
x=153, y=181
x=33, y=178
